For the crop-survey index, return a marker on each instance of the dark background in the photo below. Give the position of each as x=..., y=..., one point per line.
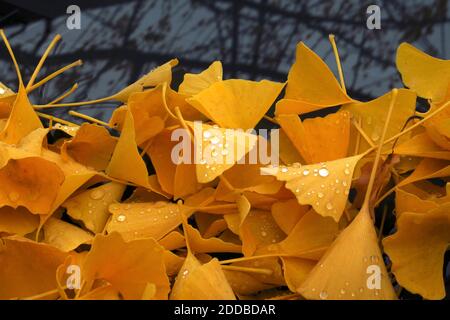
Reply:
x=121, y=40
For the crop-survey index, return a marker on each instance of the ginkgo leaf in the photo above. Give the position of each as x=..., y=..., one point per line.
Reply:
x=296, y=270
x=159, y=75
x=373, y=116
x=219, y=149
x=244, y=283
x=144, y=220
x=28, y=268
x=75, y=175
x=309, y=78
x=345, y=271
x=127, y=266
x=324, y=186
x=160, y=153
x=17, y=221
x=173, y=240
x=426, y=75
x=288, y=213
x=91, y=146
x=275, y=277
x=409, y=202
x=64, y=235
x=291, y=106
x=126, y=163
x=173, y=263
x=148, y=112
x=195, y=83
x=176, y=99
x=198, y=244
x=422, y=145
x=197, y=281
x=22, y=183
x=417, y=251
x=428, y=168
x=259, y=230
x=22, y=119
x=238, y=104
x=91, y=206
x=318, y=139
x=309, y=238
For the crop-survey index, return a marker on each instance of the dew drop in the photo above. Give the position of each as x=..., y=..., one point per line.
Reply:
x=320, y=195
x=346, y=171
x=323, y=172
x=264, y=234
x=305, y=172
x=329, y=206
x=323, y=295
x=121, y=218
x=215, y=140
x=342, y=291
x=284, y=169
x=206, y=134
x=97, y=194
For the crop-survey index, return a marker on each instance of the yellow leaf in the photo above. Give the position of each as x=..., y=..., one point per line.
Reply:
x=91, y=206
x=127, y=266
x=220, y=150
x=143, y=220
x=343, y=272
x=91, y=146
x=159, y=75
x=428, y=76
x=318, y=139
x=28, y=268
x=373, y=116
x=22, y=119
x=64, y=236
x=417, y=251
x=238, y=104
x=324, y=186
x=312, y=82
x=126, y=163
x=201, y=282
x=195, y=83
x=17, y=221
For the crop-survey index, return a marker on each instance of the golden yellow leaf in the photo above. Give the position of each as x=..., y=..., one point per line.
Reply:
x=309, y=78
x=201, y=282
x=91, y=146
x=324, y=186
x=195, y=83
x=417, y=251
x=127, y=266
x=238, y=104
x=91, y=206
x=428, y=76
x=343, y=272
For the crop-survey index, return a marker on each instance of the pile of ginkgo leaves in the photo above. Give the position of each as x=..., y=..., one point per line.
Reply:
x=101, y=211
